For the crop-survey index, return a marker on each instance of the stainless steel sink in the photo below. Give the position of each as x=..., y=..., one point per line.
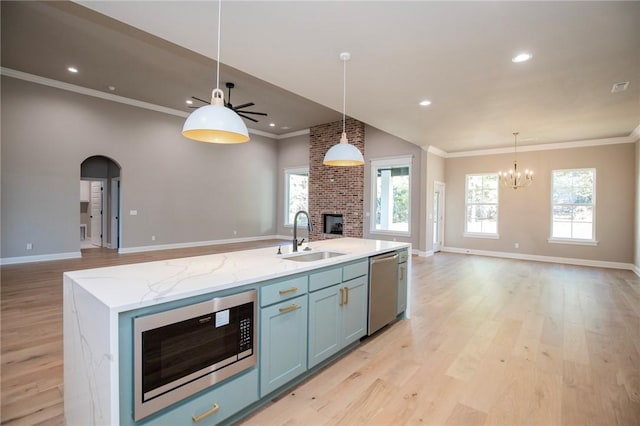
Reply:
x=315, y=255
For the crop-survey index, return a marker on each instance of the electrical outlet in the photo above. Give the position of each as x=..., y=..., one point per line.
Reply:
x=516, y=245
x=153, y=238
x=235, y=232
x=133, y=212
x=29, y=246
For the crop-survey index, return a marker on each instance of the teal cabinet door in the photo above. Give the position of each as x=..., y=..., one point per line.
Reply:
x=324, y=324
x=402, y=287
x=283, y=339
x=354, y=310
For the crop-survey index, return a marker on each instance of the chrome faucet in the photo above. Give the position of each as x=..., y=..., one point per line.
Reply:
x=295, y=228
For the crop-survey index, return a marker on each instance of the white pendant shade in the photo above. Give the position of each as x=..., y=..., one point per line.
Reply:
x=215, y=124
x=343, y=154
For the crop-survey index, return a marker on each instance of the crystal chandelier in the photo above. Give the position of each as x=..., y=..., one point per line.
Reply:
x=513, y=178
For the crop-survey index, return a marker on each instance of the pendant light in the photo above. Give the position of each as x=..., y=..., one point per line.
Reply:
x=216, y=123
x=343, y=153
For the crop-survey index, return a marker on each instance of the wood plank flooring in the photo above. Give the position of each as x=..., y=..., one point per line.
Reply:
x=490, y=341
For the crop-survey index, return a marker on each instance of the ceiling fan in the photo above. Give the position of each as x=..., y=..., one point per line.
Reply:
x=238, y=109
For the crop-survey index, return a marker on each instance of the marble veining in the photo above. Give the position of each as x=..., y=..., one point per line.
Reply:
x=128, y=287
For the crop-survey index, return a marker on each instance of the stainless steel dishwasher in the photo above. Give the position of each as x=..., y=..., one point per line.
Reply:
x=383, y=290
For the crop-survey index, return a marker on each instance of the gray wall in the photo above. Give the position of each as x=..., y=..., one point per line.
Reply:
x=184, y=191
x=524, y=215
x=636, y=245
x=292, y=153
x=379, y=144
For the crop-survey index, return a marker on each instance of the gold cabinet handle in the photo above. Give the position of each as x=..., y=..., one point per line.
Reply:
x=346, y=290
x=289, y=308
x=207, y=413
x=289, y=290
x=341, y=296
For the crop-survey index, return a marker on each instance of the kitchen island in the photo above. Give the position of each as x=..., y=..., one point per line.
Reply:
x=96, y=301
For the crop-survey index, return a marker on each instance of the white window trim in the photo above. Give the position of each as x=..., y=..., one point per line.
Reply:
x=286, y=172
x=405, y=160
x=481, y=235
x=489, y=235
x=574, y=241
x=577, y=242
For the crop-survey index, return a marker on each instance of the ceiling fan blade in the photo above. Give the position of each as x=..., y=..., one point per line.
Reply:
x=251, y=112
x=248, y=118
x=201, y=100
x=244, y=105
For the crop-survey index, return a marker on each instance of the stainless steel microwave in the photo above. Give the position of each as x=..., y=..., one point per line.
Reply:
x=182, y=351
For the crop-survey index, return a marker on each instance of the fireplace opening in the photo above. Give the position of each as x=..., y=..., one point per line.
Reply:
x=332, y=223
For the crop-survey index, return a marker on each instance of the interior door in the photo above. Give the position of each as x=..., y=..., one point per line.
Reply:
x=438, y=215
x=96, y=213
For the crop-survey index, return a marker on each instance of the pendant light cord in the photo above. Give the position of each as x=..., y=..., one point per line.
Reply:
x=218, y=58
x=344, y=95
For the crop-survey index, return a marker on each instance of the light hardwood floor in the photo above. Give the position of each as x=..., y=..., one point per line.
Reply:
x=490, y=341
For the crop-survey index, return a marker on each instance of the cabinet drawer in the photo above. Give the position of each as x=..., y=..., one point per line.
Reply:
x=325, y=279
x=283, y=290
x=230, y=398
x=355, y=270
x=403, y=255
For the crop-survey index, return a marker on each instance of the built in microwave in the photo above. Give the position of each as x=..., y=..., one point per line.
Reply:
x=182, y=351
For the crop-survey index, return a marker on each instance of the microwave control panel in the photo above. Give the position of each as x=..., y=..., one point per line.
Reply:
x=245, y=334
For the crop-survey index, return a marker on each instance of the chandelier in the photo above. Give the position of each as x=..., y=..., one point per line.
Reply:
x=513, y=178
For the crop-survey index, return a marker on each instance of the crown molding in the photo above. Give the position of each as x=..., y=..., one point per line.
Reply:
x=635, y=135
x=293, y=134
x=110, y=97
x=89, y=92
x=544, y=147
x=437, y=151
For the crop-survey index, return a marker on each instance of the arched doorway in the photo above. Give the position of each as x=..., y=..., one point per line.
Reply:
x=99, y=203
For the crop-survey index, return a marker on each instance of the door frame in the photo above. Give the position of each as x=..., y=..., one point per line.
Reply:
x=439, y=187
x=115, y=211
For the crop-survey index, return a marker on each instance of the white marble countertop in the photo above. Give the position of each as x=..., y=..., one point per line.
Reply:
x=126, y=287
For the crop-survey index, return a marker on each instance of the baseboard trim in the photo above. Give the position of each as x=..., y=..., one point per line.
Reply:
x=636, y=269
x=39, y=258
x=538, y=258
x=140, y=249
x=421, y=253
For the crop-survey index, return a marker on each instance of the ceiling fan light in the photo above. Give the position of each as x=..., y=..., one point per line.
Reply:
x=215, y=124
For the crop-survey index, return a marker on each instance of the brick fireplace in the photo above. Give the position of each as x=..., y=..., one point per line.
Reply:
x=335, y=190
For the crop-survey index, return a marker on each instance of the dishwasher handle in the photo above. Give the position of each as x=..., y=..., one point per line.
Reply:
x=384, y=258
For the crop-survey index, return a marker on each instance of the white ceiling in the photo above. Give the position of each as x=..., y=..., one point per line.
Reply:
x=457, y=54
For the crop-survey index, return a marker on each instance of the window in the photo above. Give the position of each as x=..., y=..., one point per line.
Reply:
x=481, y=205
x=296, y=190
x=391, y=196
x=573, y=195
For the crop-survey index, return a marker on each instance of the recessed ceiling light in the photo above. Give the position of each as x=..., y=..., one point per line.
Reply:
x=72, y=69
x=521, y=57
x=189, y=102
x=426, y=102
x=620, y=87
x=285, y=128
x=272, y=124
x=112, y=88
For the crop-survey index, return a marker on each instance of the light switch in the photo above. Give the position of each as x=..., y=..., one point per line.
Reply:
x=133, y=212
